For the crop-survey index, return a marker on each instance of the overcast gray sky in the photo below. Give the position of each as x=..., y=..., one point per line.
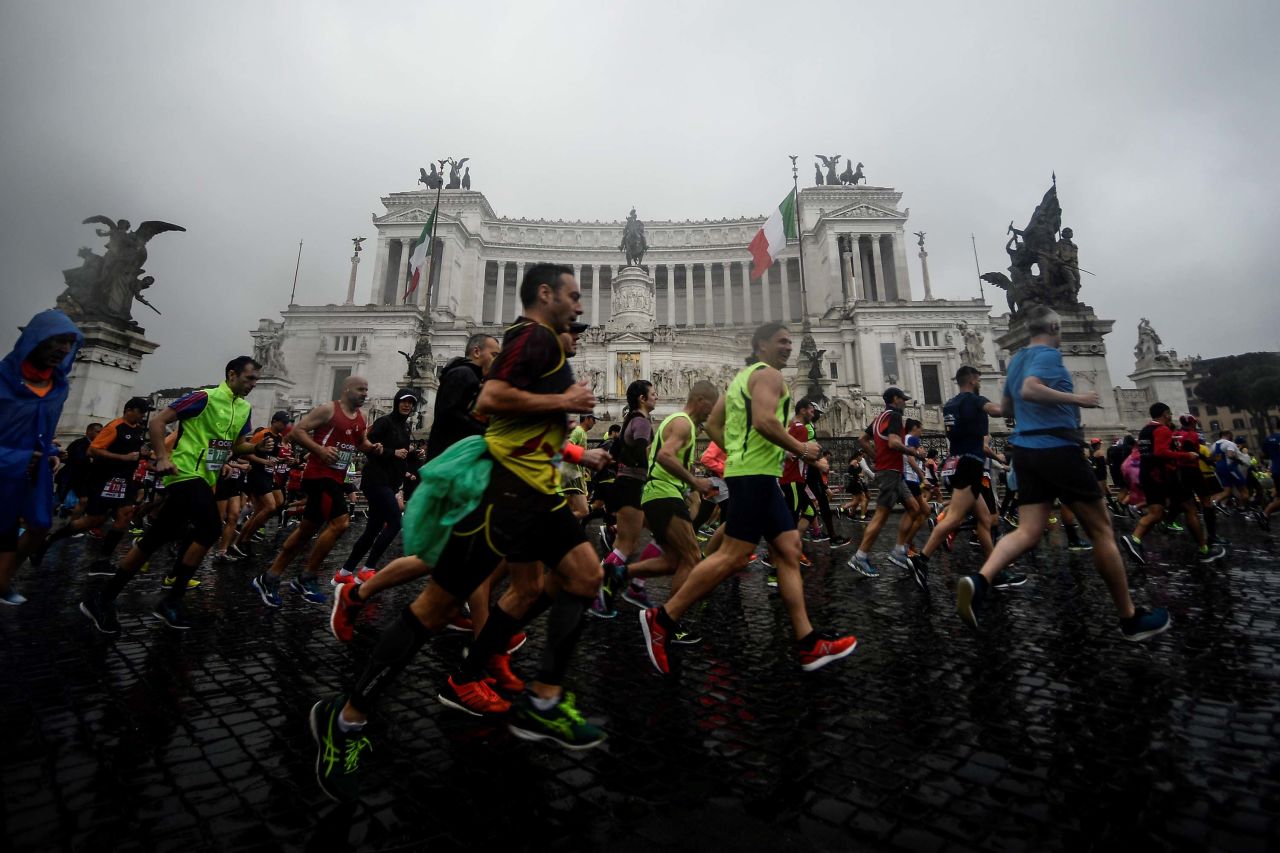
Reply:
x=259, y=124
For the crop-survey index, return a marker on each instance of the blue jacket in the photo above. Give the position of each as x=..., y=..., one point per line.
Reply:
x=28, y=423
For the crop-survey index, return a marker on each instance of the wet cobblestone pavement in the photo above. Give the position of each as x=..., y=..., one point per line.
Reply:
x=1047, y=731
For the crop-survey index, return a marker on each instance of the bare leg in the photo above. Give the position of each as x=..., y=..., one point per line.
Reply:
x=1106, y=556
x=872, y=532
x=399, y=571
x=292, y=546
x=713, y=569
x=325, y=541
x=1035, y=517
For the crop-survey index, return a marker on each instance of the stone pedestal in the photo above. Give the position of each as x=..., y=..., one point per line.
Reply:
x=632, y=301
x=1161, y=381
x=269, y=396
x=103, y=377
x=1085, y=355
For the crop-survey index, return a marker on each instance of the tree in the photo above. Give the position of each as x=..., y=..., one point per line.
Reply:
x=1249, y=382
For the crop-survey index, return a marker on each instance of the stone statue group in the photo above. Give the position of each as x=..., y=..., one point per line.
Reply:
x=104, y=287
x=459, y=179
x=848, y=178
x=1044, y=244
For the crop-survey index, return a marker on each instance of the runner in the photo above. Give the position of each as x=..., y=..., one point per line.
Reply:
x=1047, y=459
x=214, y=423
x=857, y=477
x=575, y=482
x=1116, y=455
x=1164, y=487
x=883, y=440
x=1197, y=476
x=73, y=477
x=331, y=433
x=228, y=496
x=265, y=483
x=381, y=481
x=749, y=422
x=793, y=481
x=33, y=388
x=529, y=392
x=914, y=476
x=1225, y=456
x=628, y=489
x=114, y=455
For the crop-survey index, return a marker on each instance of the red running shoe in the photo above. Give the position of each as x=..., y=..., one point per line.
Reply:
x=655, y=639
x=516, y=642
x=826, y=647
x=342, y=577
x=499, y=669
x=365, y=574
x=461, y=624
x=472, y=697
x=805, y=561
x=342, y=618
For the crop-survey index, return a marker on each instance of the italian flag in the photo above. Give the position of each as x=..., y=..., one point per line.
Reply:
x=418, y=259
x=773, y=236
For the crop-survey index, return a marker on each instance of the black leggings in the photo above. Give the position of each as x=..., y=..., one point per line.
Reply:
x=381, y=528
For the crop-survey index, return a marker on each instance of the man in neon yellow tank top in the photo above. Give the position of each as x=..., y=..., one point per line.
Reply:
x=670, y=474
x=748, y=422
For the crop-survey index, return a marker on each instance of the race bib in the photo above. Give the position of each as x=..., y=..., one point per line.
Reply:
x=116, y=488
x=217, y=454
x=345, y=452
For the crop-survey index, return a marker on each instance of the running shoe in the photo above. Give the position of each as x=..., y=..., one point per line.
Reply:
x=1079, y=545
x=516, y=642
x=805, y=562
x=826, y=647
x=1174, y=527
x=707, y=530
x=170, y=613
x=771, y=579
x=949, y=541
x=461, y=623
x=337, y=752
x=365, y=575
x=1145, y=623
x=821, y=536
x=13, y=598
x=608, y=533
x=561, y=723
x=224, y=557
x=1215, y=553
x=101, y=613
x=1219, y=540
x=655, y=639
x=308, y=586
x=1011, y=520
x=170, y=580
x=684, y=637
x=1136, y=549
x=269, y=592
x=920, y=570
x=600, y=609
x=135, y=530
x=838, y=541
x=499, y=670
x=101, y=568
x=1008, y=580
x=239, y=552
x=900, y=559
x=342, y=619
x=969, y=594
x=862, y=565
x=472, y=697
x=259, y=535
x=637, y=595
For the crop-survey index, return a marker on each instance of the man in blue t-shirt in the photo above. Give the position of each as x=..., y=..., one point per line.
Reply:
x=1050, y=466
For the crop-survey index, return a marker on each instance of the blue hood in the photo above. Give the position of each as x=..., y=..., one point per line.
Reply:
x=28, y=422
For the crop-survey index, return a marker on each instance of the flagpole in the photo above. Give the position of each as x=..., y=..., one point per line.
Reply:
x=296, y=267
x=804, y=295
x=431, y=245
x=977, y=266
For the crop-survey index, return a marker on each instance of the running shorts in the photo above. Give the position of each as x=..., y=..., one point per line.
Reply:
x=326, y=500
x=798, y=502
x=627, y=492
x=187, y=503
x=1196, y=482
x=228, y=488
x=913, y=486
x=514, y=522
x=890, y=489
x=968, y=475
x=1228, y=474
x=1054, y=473
x=660, y=512
x=106, y=497
x=854, y=486
x=759, y=509
x=259, y=484
x=1157, y=491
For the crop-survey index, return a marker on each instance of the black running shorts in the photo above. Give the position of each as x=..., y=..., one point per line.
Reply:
x=107, y=497
x=797, y=500
x=515, y=522
x=1054, y=473
x=326, y=500
x=759, y=509
x=968, y=475
x=627, y=492
x=259, y=484
x=228, y=488
x=659, y=514
x=186, y=503
x=1196, y=482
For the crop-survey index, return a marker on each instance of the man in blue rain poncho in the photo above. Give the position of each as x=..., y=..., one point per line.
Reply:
x=33, y=387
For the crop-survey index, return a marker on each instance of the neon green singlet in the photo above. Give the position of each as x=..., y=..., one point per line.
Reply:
x=748, y=452
x=662, y=483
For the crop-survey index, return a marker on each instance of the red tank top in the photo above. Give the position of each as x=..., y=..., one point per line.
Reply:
x=344, y=433
x=887, y=459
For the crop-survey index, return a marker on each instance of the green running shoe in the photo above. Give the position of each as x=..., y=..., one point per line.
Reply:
x=562, y=724
x=337, y=752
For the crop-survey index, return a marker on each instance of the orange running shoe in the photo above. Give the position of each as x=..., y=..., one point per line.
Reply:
x=472, y=697
x=499, y=669
x=365, y=574
x=805, y=561
x=343, y=616
x=825, y=648
x=342, y=577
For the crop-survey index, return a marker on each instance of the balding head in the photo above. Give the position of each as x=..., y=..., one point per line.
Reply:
x=355, y=391
x=702, y=399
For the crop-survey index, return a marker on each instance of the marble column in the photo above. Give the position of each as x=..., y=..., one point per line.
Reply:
x=745, y=278
x=595, y=295
x=706, y=293
x=924, y=272
x=878, y=265
x=766, y=308
x=850, y=368
x=901, y=267
x=502, y=286
x=786, y=292
x=671, y=295
x=577, y=276
x=688, y=294
x=835, y=269
x=379, y=284
x=515, y=310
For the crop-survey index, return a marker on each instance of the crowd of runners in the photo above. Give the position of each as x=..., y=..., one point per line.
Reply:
x=508, y=513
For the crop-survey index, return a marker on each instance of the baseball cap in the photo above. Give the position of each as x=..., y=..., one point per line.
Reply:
x=1095, y=441
x=578, y=328
x=591, y=415
x=282, y=416
x=895, y=391
x=141, y=404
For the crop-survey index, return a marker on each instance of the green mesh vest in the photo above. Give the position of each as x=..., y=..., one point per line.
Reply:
x=748, y=452
x=661, y=483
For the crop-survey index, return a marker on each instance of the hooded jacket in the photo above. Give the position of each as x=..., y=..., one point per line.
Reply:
x=392, y=431
x=455, y=417
x=28, y=422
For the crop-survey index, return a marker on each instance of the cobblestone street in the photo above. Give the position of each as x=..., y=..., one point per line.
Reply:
x=1047, y=731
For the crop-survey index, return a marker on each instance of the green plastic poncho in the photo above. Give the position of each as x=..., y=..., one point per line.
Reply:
x=451, y=487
